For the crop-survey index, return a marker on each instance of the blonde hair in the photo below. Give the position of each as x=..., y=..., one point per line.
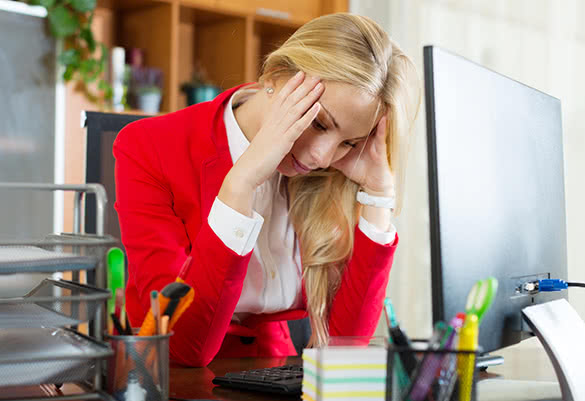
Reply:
x=350, y=49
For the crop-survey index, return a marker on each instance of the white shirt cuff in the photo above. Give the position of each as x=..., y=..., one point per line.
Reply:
x=377, y=235
x=236, y=231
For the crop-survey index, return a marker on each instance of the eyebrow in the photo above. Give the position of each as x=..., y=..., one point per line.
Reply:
x=337, y=126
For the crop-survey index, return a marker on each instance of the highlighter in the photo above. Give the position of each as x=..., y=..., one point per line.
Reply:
x=466, y=361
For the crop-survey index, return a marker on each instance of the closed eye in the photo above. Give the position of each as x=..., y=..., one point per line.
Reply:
x=350, y=144
x=318, y=126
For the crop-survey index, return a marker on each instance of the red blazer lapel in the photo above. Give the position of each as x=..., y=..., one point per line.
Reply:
x=216, y=167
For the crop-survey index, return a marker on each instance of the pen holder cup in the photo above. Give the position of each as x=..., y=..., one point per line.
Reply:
x=416, y=374
x=139, y=368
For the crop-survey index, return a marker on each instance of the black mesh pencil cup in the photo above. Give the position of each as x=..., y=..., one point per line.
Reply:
x=139, y=368
x=417, y=374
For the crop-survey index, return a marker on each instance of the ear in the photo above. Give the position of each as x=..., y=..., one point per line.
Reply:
x=269, y=83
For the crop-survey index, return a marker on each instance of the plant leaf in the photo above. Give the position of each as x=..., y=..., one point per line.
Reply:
x=69, y=57
x=68, y=73
x=87, y=35
x=83, y=5
x=62, y=22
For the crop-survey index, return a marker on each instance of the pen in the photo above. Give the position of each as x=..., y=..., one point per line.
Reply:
x=401, y=340
x=176, y=292
x=448, y=373
x=155, y=307
x=184, y=270
x=117, y=324
x=466, y=361
x=431, y=363
x=403, y=379
x=115, y=279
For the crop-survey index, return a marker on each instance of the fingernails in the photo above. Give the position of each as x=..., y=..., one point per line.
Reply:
x=318, y=87
x=298, y=74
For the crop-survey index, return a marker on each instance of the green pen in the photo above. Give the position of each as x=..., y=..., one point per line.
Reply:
x=115, y=262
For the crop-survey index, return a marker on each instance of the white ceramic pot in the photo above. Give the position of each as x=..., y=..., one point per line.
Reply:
x=149, y=102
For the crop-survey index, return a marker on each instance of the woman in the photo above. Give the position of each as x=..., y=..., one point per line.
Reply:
x=269, y=188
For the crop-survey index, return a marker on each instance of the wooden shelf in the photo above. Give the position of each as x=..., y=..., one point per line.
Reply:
x=229, y=38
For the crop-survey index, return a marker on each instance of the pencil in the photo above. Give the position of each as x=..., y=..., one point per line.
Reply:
x=164, y=327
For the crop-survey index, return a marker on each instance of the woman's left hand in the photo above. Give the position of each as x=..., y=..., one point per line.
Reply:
x=367, y=164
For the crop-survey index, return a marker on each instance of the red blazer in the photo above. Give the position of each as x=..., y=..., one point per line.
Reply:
x=169, y=169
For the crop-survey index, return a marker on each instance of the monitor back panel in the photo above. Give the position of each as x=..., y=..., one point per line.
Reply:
x=496, y=188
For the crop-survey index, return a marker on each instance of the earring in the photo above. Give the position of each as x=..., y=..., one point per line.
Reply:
x=269, y=90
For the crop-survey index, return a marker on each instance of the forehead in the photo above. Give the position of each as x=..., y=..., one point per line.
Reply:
x=354, y=110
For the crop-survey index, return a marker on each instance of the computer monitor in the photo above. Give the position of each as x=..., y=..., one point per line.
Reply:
x=496, y=191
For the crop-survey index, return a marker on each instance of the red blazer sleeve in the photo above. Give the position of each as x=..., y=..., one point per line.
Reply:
x=157, y=244
x=357, y=306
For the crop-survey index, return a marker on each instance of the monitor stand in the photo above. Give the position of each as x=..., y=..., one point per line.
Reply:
x=486, y=360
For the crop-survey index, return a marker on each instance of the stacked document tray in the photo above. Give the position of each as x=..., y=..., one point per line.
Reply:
x=32, y=259
x=47, y=355
x=53, y=303
x=38, y=344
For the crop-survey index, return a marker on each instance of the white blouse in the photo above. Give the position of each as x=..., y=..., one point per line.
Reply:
x=273, y=280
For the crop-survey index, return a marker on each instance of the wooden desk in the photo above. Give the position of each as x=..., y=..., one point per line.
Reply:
x=525, y=365
x=195, y=383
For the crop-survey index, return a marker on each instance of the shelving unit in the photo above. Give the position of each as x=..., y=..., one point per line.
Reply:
x=39, y=341
x=230, y=38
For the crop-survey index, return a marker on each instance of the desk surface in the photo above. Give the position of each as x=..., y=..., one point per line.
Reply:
x=523, y=362
x=525, y=365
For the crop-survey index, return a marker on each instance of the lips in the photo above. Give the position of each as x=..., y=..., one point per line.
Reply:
x=300, y=167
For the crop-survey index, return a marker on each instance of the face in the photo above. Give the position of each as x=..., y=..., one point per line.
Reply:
x=346, y=118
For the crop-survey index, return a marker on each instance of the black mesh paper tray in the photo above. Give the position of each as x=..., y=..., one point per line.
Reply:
x=30, y=259
x=53, y=303
x=47, y=356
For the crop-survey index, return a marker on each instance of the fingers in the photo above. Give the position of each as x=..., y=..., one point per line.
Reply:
x=290, y=86
x=296, y=112
x=301, y=91
x=303, y=123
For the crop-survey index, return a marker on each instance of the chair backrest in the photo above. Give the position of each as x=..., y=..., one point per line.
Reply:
x=102, y=129
x=300, y=332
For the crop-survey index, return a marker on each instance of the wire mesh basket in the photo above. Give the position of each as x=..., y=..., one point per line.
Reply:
x=33, y=259
x=47, y=356
x=52, y=303
x=417, y=374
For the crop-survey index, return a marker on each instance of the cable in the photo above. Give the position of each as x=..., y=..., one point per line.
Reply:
x=575, y=284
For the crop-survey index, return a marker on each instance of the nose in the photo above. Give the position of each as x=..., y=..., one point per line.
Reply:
x=322, y=152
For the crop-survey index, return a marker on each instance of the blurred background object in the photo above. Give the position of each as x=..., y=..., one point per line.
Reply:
x=199, y=88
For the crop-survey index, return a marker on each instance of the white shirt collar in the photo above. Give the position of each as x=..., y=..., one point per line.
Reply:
x=237, y=141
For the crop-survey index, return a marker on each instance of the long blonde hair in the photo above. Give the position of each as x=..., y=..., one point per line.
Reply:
x=350, y=49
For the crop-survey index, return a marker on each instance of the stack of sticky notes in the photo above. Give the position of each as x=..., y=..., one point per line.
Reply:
x=344, y=373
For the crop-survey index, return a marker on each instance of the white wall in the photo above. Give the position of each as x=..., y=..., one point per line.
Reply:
x=538, y=42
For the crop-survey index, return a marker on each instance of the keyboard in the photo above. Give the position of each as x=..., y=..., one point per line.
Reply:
x=283, y=380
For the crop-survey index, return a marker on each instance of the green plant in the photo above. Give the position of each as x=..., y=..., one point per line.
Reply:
x=144, y=90
x=83, y=57
x=198, y=78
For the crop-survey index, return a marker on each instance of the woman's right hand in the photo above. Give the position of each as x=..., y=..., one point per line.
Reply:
x=292, y=111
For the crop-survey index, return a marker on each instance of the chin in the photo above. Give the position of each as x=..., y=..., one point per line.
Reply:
x=287, y=172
